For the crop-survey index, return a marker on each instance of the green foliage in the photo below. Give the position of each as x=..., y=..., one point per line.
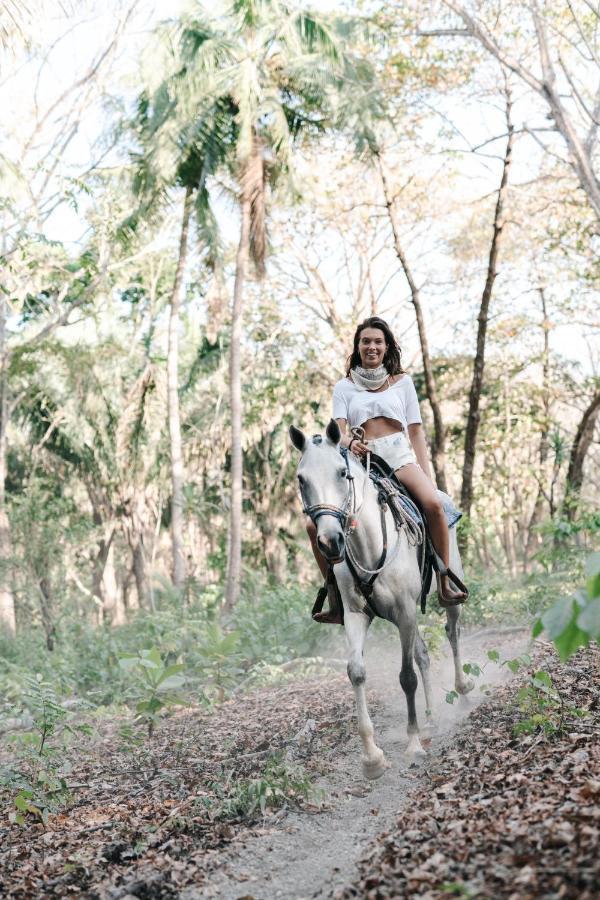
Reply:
x=541, y=704
x=37, y=778
x=282, y=783
x=573, y=621
x=154, y=687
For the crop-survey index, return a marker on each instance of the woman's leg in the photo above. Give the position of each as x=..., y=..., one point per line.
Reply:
x=312, y=534
x=426, y=494
x=329, y=590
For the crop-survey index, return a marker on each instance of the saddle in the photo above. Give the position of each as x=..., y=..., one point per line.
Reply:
x=406, y=513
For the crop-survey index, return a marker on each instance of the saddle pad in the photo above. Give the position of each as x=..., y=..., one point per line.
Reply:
x=379, y=466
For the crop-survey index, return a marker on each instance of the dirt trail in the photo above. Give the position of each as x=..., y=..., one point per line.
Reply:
x=308, y=855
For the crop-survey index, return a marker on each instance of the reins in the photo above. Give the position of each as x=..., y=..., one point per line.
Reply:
x=347, y=516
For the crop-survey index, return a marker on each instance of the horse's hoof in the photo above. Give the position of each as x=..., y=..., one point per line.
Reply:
x=466, y=687
x=374, y=768
x=430, y=727
x=415, y=753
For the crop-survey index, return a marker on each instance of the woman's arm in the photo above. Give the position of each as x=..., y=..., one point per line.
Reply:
x=419, y=445
x=345, y=437
x=358, y=448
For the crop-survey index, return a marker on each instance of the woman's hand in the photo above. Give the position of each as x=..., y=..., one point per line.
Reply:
x=359, y=448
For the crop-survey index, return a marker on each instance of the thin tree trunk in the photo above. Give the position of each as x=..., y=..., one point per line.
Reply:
x=533, y=539
x=7, y=601
x=438, y=444
x=46, y=611
x=113, y=611
x=234, y=562
x=581, y=445
x=100, y=561
x=466, y=494
x=177, y=472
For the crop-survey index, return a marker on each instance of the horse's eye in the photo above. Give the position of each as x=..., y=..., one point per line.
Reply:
x=341, y=473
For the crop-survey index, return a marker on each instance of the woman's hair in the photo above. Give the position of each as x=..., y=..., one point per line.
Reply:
x=391, y=360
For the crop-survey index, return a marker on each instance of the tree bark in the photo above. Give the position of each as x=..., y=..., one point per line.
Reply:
x=234, y=562
x=46, y=605
x=533, y=539
x=177, y=470
x=7, y=601
x=581, y=445
x=474, y=415
x=438, y=444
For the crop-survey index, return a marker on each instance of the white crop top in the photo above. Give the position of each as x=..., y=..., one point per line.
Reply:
x=398, y=402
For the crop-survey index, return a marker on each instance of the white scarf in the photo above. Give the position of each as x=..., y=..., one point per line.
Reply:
x=369, y=379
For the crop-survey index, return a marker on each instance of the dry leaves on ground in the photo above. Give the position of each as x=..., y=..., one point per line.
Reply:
x=152, y=819
x=503, y=815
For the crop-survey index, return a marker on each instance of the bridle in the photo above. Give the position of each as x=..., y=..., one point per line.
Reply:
x=345, y=514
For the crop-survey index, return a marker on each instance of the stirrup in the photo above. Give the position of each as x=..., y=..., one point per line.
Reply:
x=335, y=613
x=449, y=602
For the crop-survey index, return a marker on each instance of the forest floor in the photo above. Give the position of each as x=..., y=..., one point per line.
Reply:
x=489, y=814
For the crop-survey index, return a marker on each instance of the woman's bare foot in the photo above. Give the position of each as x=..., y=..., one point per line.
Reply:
x=447, y=596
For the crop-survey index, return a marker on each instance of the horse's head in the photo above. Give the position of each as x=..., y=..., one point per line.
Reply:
x=326, y=487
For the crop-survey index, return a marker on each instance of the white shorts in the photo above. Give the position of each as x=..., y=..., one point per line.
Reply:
x=394, y=449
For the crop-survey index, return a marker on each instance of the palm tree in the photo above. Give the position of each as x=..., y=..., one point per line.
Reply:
x=277, y=68
x=178, y=156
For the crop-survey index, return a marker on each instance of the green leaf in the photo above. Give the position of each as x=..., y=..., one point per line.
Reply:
x=493, y=655
x=171, y=683
x=571, y=639
x=172, y=670
x=558, y=617
x=542, y=679
x=153, y=655
x=592, y=565
x=128, y=662
x=21, y=802
x=451, y=696
x=537, y=628
x=147, y=663
x=513, y=664
x=589, y=619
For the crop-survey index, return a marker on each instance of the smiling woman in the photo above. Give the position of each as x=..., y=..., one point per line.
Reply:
x=377, y=404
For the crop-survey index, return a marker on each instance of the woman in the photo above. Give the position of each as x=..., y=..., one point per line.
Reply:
x=379, y=398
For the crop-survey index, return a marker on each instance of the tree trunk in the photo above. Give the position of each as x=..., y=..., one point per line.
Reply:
x=533, y=539
x=98, y=582
x=466, y=494
x=113, y=611
x=7, y=601
x=581, y=445
x=438, y=444
x=46, y=611
x=177, y=472
x=234, y=562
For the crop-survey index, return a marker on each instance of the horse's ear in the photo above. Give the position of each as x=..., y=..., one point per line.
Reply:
x=333, y=432
x=297, y=438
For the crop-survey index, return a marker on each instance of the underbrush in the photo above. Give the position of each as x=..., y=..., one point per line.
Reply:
x=192, y=647
x=269, y=628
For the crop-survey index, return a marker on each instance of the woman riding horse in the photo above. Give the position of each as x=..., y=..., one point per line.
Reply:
x=378, y=401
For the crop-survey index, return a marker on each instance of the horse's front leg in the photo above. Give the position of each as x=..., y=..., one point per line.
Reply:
x=462, y=684
x=356, y=625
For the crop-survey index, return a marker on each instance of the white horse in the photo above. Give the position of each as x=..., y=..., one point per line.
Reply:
x=343, y=503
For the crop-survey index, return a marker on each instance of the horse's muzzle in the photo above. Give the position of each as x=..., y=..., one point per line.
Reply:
x=331, y=547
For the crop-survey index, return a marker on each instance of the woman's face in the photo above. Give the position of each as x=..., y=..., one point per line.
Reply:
x=372, y=347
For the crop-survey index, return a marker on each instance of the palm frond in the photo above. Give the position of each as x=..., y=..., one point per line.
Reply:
x=253, y=188
x=130, y=426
